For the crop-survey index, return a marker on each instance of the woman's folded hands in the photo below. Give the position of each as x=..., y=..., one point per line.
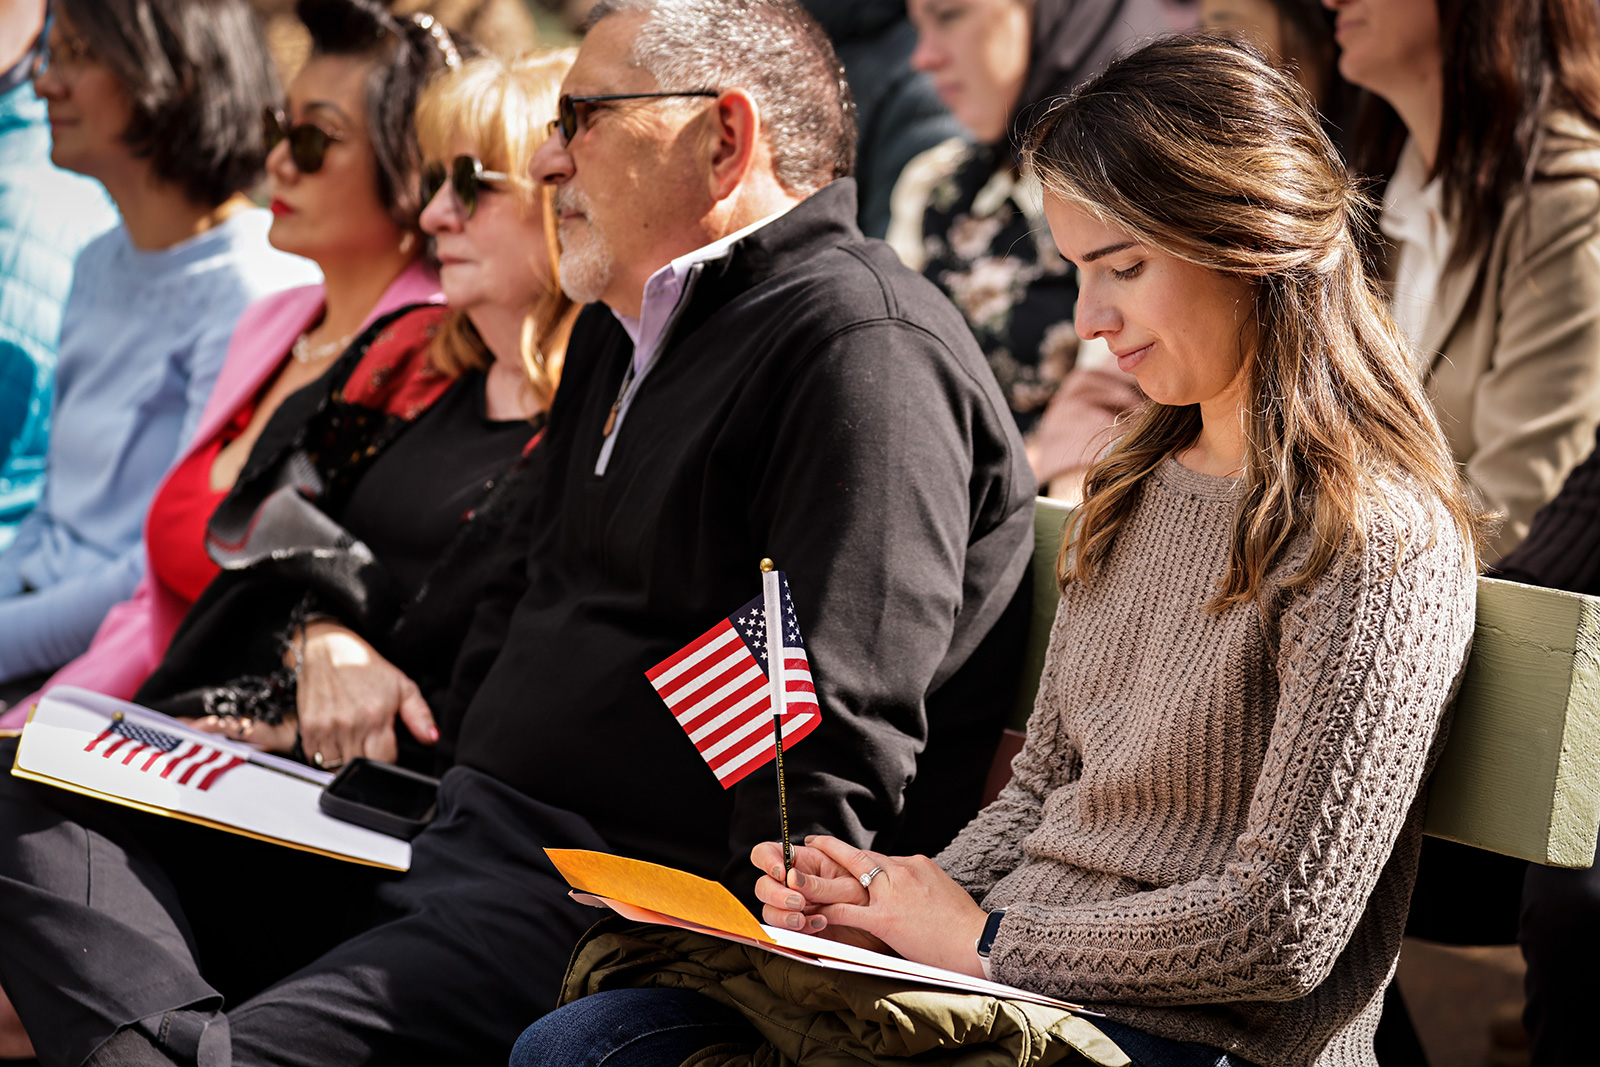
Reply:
x=901, y=904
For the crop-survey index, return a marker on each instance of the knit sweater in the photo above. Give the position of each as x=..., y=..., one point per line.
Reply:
x=1211, y=832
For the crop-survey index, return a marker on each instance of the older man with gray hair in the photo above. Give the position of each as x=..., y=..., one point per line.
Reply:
x=755, y=379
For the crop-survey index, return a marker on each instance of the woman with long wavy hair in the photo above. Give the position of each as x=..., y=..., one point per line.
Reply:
x=1211, y=830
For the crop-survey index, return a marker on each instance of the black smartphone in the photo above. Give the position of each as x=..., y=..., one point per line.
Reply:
x=381, y=797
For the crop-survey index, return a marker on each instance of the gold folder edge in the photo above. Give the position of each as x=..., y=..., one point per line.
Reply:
x=198, y=820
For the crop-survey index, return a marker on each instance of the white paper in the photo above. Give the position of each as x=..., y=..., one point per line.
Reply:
x=55, y=746
x=836, y=956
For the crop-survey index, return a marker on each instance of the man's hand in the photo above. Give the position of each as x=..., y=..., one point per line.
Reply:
x=349, y=697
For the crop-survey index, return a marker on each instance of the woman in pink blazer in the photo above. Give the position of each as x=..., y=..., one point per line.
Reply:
x=136, y=632
x=344, y=182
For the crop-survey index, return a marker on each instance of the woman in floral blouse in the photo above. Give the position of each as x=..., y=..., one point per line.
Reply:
x=966, y=218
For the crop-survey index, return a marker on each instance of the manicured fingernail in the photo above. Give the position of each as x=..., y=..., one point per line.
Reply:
x=799, y=880
x=818, y=922
x=777, y=874
x=795, y=901
x=794, y=922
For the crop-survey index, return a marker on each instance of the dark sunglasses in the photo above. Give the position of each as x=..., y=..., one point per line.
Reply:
x=466, y=174
x=573, y=111
x=308, y=143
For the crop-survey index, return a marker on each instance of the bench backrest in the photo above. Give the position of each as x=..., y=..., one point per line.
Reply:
x=1049, y=527
x=1520, y=772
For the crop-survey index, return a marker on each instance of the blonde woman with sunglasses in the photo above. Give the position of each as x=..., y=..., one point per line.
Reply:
x=441, y=410
x=430, y=505
x=492, y=227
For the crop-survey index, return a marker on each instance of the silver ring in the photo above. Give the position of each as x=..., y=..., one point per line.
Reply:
x=316, y=757
x=866, y=879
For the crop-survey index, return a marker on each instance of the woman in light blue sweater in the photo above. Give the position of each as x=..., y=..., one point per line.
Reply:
x=47, y=215
x=170, y=124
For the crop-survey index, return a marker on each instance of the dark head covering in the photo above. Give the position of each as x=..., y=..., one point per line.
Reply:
x=1073, y=40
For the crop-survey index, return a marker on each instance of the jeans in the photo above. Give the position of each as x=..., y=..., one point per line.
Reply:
x=1148, y=1050
x=664, y=1027
x=631, y=1028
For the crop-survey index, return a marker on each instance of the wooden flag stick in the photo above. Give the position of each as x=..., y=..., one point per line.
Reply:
x=772, y=605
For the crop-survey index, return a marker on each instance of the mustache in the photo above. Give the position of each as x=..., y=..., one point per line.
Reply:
x=569, y=199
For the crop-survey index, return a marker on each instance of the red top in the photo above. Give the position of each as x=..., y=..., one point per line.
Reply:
x=175, y=531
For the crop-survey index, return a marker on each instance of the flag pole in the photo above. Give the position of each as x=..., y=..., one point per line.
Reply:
x=772, y=604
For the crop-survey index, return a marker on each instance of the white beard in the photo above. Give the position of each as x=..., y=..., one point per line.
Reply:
x=587, y=264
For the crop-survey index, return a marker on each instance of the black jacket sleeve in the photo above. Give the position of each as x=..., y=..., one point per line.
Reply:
x=872, y=506
x=1562, y=549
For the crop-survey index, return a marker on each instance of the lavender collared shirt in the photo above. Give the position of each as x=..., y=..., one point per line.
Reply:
x=665, y=294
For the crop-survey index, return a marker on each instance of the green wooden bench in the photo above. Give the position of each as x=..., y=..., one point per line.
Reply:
x=1520, y=773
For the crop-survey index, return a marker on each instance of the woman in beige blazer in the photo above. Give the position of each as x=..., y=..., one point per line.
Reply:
x=1493, y=215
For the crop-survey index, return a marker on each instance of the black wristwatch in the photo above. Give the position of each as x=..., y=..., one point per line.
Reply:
x=990, y=930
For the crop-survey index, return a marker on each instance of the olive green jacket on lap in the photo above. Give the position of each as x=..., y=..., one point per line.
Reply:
x=816, y=1017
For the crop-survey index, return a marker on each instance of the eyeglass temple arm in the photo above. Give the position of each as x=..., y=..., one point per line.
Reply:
x=639, y=96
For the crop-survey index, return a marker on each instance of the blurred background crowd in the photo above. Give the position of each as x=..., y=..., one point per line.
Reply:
x=242, y=248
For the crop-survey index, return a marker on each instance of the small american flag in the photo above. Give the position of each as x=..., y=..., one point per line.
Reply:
x=174, y=758
x=717, y=690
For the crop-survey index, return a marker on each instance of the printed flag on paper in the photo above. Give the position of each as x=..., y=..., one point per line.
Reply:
x=176, y=759
x=717, y=690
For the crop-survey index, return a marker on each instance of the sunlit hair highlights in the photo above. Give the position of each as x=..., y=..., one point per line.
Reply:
x=1198, y=147
x=772, y=49
x=499, y=109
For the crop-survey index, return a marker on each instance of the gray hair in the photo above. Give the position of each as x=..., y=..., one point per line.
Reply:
x=773, y=50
